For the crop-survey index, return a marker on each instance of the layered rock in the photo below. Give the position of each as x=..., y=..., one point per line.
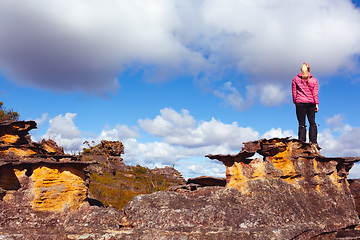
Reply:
x=16, y=143
x=169, y=173
x=292, y=192
x=295, y=162
x=14, y=139
x=107, y=154
x=43, y=192
x=38, y=174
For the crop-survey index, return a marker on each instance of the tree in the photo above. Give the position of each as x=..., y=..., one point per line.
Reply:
x=7, y=114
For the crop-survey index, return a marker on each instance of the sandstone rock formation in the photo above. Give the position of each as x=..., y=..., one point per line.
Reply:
x=43, y=192
x=169, y=173
x=293, y=192
x=107, y=154
x=38, y=173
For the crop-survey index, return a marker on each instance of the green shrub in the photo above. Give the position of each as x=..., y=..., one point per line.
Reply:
x=140, y=170
x=7, y=114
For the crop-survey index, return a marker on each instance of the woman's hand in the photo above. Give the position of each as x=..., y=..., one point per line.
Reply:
x=316, y=108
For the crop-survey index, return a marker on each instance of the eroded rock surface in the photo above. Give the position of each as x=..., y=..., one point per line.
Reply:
x=293, y=192
x=355, y=191
x=169, y=173
x=43, y=192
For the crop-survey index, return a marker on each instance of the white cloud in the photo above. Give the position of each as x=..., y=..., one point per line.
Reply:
x=194, y=167
x=336, y=124
x=274, y=41
x=63, y=131
x=169, y=123
x=183, y=141
x=43, y=119
x=150, y=153
x=271, y=94
x=355, y=171
x=75, y=45
x=345, y=145
x=181, y=130
x=232, y=96
x=119, y=133
x=339, y=139
x=278, y=133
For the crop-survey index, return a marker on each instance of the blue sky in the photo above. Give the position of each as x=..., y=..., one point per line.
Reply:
x=177, y=80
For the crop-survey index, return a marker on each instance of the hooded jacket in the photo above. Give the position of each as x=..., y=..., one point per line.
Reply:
x=304, y=91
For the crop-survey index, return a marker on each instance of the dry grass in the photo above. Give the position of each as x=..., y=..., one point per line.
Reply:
x=116, y=191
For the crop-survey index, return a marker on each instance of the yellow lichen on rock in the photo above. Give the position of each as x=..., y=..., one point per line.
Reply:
x=282, y=162
x=9, y=139
x=335, y=179
x=259, y=169
x=241, y=173
x=19, y=152
x=238, y=179
x=19, y=172
x=48, y=148
x=58, y=189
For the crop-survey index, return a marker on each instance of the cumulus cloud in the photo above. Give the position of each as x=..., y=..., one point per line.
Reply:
x=182, y=130
x=339, y=138
x=43, y=119
x=75, y=45
x=346, y=144
x=64, y=132
x=278, y=133
x=178, y=139
x=234, y=98
x=118, y=133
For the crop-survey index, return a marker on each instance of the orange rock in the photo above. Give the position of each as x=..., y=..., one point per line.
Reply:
x=56, y=189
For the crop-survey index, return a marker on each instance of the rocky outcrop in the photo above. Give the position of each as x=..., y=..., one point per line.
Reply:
x=51, y=148
x=107, y=154
x=39, y=175
x=292, y=192
x=169, y=173
x=15, y=142
x=43, y=192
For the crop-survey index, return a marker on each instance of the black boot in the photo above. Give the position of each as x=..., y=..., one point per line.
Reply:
x=302, y=133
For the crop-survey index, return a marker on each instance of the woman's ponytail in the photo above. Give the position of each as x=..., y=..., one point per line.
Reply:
x=305, y=71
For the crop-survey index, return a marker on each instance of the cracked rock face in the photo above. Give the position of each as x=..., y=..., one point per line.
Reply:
x=293, y=192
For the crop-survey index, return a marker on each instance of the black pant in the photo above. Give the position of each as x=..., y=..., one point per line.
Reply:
x=302, y=110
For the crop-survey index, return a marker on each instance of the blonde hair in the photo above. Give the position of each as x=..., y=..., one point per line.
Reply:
x=305, y=70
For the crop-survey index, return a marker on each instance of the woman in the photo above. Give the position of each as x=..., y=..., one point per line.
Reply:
x=305, y=97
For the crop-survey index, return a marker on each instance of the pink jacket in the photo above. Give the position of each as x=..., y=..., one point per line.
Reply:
x=303, y=91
